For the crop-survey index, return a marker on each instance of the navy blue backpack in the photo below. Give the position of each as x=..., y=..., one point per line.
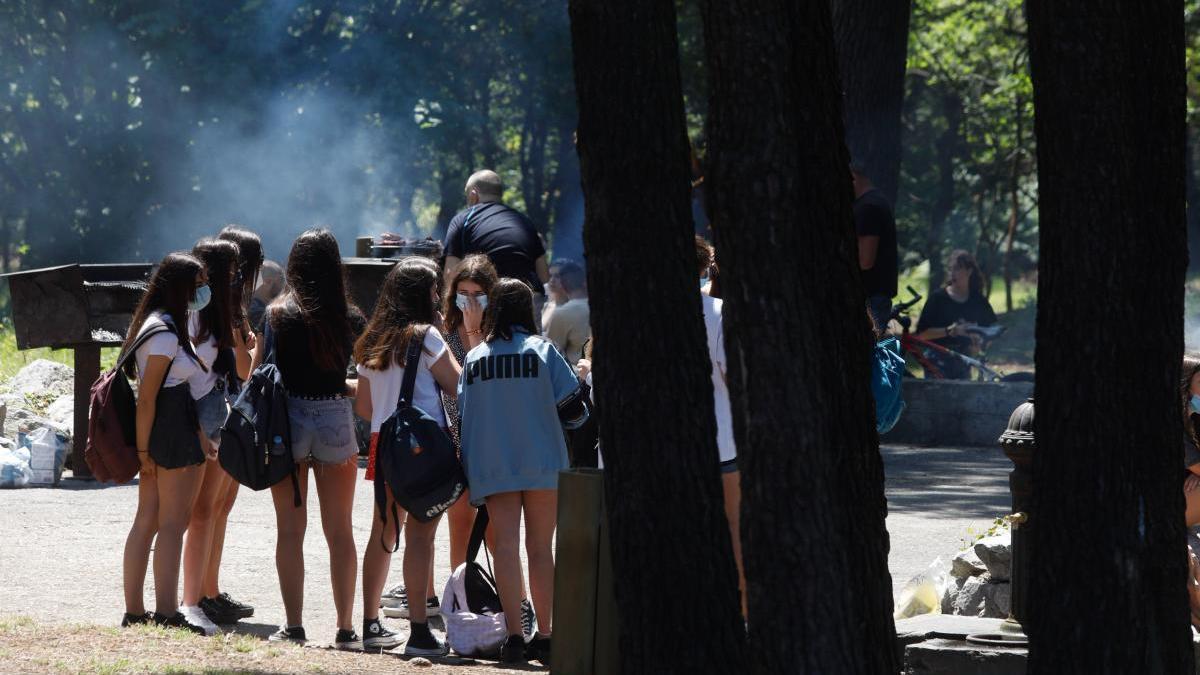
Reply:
x=414, y=455
x=256, y=439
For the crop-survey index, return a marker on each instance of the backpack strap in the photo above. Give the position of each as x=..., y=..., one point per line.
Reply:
x=268, y=341
x=412, y=361
x=141, y=339
x=478, y=530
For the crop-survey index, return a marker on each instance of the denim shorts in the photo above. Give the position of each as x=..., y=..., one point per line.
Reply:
x=322, y=430
x=212, y=409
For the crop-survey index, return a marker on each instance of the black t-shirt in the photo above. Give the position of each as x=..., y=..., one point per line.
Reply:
x=941, y=310
x=873, y=218
x=505, y=235
x=293, y=355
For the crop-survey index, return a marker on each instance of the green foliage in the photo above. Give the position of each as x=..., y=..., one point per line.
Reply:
x=120, y=121
x=1000, y=525
x=969, y=166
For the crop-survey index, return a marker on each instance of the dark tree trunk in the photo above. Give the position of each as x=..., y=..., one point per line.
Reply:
x=670, y=540
x=1193, y=203
x=790, y=277
x=943, y=201
x=1108, y=84
x=872, y=46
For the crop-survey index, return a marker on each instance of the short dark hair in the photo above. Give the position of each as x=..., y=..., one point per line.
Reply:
x=571, y=275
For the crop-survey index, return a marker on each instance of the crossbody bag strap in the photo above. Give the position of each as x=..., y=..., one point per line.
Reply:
x=412, y=362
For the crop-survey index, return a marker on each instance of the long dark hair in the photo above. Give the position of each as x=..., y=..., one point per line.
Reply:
x=250, y=260
x=171, y=288
x=1191, y=366
x=405, y=303
x=961, y=258
x=475, y=267
x=510, y=305
x=316, y=293
x=220, y=257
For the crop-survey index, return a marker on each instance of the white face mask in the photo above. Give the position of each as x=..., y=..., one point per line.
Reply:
x=258, y=281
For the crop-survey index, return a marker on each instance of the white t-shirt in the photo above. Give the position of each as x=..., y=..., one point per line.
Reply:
x=716, y=353
x=385, y=384
x=203, y=382
x=183, y=369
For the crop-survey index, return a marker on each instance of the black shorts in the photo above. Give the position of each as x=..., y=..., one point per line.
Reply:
x=174, y=440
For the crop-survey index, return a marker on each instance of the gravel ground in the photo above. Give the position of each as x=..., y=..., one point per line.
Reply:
x=61, y=558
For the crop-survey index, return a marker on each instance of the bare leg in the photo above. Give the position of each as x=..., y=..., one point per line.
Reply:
x=418, y=550
x=378, y=558
x=335, y=489
x=461, y=517
x=291, y=522
x=177, y=490
x=541, y=516
x=212, y=579
x=197, y=547
x=137, y=544
x=732, y=486
x=504, y=512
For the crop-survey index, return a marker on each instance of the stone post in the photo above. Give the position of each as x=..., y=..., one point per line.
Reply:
x=1018, y=444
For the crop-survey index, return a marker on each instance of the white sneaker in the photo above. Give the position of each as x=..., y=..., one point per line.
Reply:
x=197, y=617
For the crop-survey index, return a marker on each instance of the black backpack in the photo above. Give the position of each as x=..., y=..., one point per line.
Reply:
x=256, y=439
x=414, y=456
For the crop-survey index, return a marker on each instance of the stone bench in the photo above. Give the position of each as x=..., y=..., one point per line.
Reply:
x=956, y=413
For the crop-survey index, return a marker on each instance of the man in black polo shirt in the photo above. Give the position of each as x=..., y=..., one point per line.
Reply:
x=502, y=233
x=877, y=256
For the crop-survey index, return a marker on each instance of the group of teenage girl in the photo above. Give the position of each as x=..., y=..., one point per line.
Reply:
x=336, y=363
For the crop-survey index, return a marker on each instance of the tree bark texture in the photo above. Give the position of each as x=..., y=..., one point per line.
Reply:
x=1108, y=82
x=677, y=590
x=872, y=46
x=798, y=343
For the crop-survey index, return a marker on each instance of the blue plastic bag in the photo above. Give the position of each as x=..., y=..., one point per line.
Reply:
x=887, y=379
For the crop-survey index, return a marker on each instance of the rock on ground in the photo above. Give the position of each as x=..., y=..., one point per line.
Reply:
x=62, y=413
x=966, y=564
x=44, y=379
x=996, y=554
x=981, y=596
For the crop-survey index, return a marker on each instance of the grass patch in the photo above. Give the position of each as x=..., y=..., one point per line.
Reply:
x=12, y=623
x=149, y=649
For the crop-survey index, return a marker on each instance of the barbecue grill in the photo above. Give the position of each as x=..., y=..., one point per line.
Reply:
x=80, y=307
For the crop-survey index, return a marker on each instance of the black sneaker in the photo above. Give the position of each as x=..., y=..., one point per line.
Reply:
x=346, y=638
x=216, y=611
x=422, y=642
x=239, y=609
x=378, y=636
x=285, y=634
x=537, y=648
x=178, y=620
x=136, y=619
x=397, y=608
x=528, y=618
x=513, y=650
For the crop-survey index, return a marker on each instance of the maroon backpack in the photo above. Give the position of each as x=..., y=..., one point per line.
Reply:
x=111, y=450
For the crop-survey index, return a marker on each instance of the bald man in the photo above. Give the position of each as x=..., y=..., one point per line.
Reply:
x=503, y=234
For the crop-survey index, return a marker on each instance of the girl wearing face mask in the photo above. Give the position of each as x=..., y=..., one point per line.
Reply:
x=219, y=491
x=211, y=332
x=170, y=443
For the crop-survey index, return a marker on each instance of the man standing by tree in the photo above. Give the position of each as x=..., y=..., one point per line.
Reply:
x=877, y=256
x=505, y=235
